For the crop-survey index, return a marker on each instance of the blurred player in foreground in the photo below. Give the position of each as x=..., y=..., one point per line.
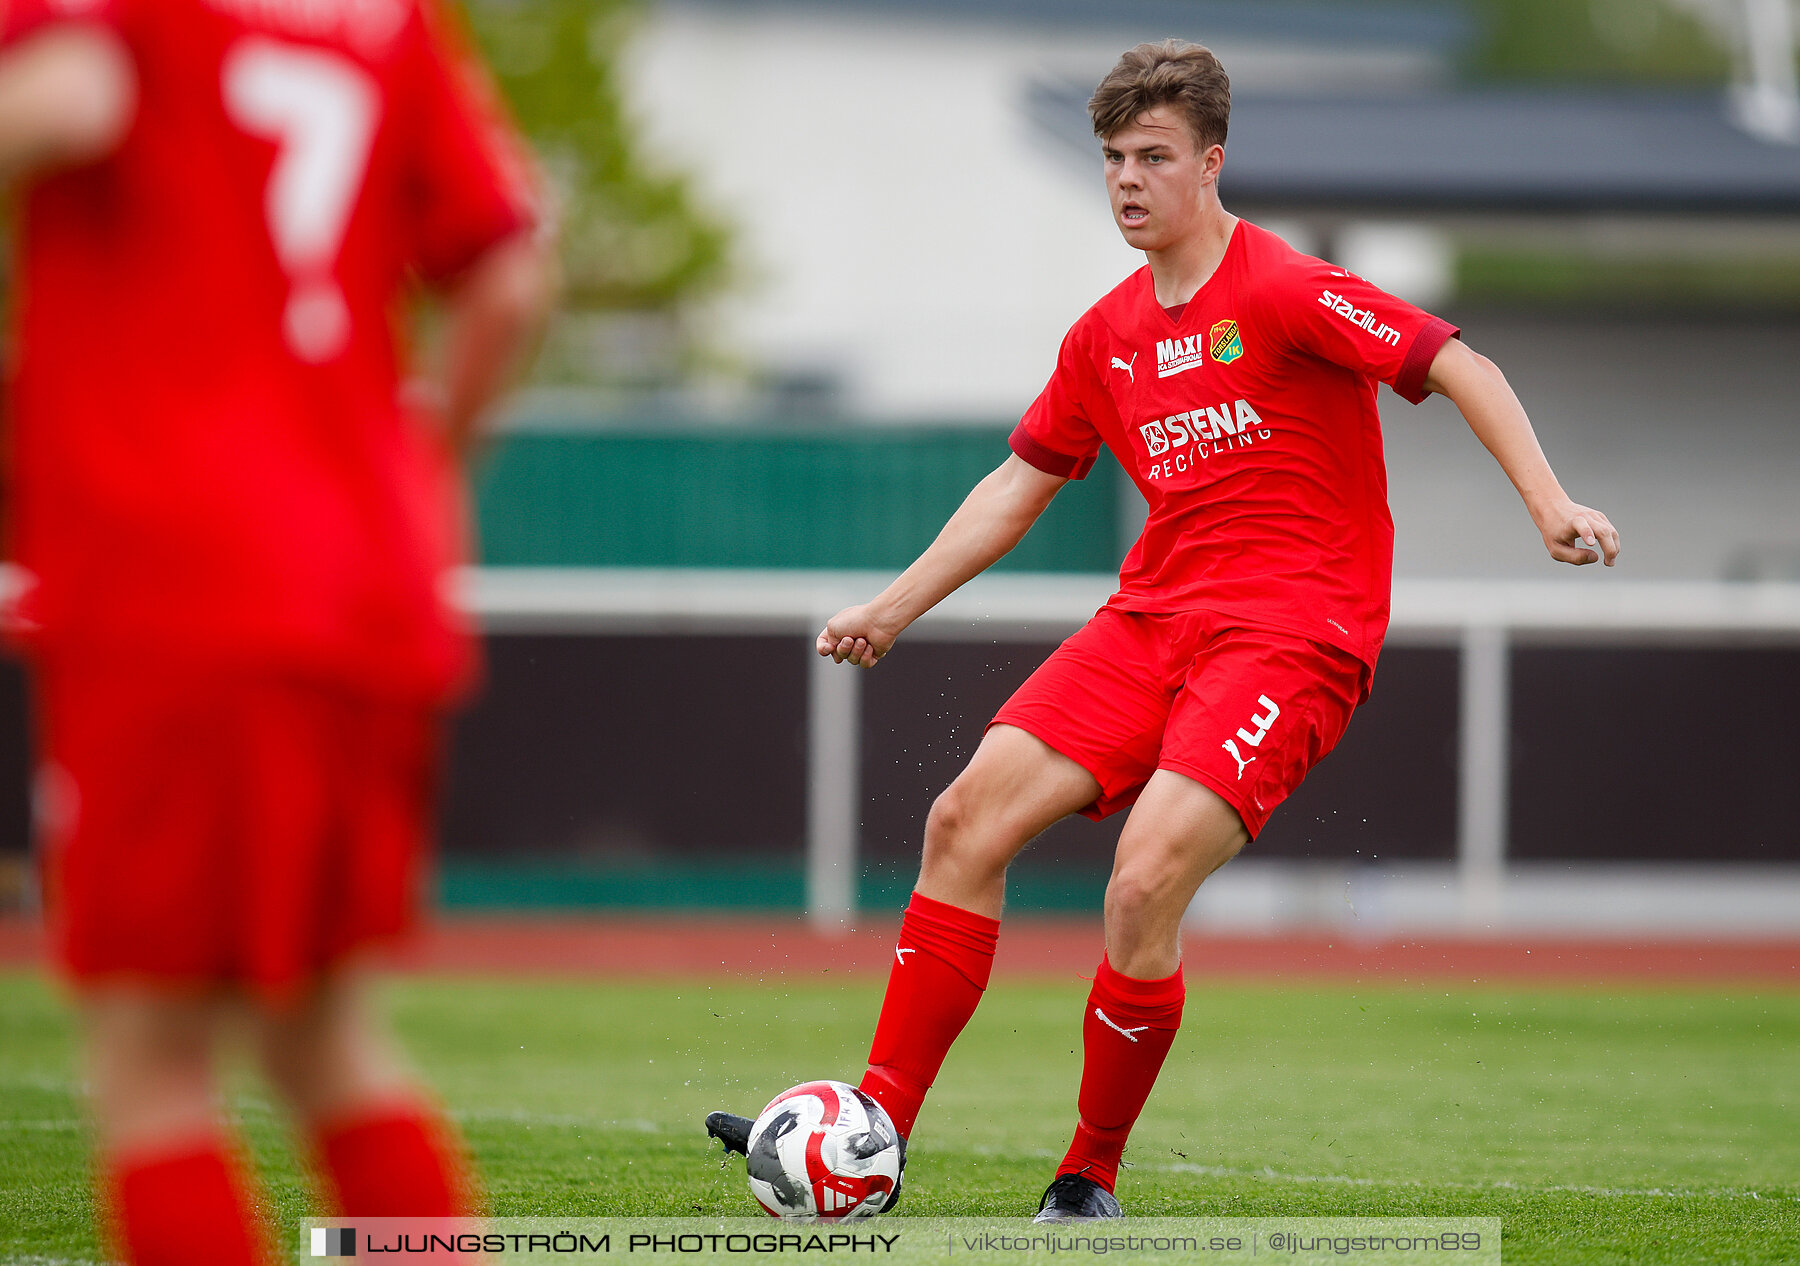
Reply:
x=234, y=530
x=1235, y=380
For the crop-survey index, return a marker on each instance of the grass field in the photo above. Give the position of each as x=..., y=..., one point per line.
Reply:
x=1639, y=1125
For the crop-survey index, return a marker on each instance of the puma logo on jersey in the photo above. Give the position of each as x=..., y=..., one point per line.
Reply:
x=1119, y=364
x=1130, y=1035
x=1262, y=722
x=900, y=954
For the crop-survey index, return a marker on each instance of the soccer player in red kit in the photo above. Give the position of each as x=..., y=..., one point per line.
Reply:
x=234, y=528
x=1234, y=379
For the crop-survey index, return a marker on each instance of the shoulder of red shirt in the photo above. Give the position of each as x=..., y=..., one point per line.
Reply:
x=1284, y=274
x=20, y=18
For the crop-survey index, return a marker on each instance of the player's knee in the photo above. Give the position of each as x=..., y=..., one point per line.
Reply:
x=1131, y=897
x=1151, y=889
x=290, y=1062
x=953, y=834
x=330, y=1054
x=135, y=1030
x=304, y=1056
x=946, y=827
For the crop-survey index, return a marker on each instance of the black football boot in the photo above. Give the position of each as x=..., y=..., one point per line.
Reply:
x=1073, y=1198
x=731, y=1130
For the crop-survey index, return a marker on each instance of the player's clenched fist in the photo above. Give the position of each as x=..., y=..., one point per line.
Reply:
x=854, y=635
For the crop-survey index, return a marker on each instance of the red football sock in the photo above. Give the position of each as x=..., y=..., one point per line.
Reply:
x=941, y=966
x=404, y=1161
x=190, y=1206
x=1125, y=1036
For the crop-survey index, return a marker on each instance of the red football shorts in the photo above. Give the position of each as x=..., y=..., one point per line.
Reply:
x=1245, y=711
x=203, y=828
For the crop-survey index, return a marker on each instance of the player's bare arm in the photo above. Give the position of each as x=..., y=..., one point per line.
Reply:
x=1494, y=413
x=992, y=519
x=67, y=96
x=496, y=309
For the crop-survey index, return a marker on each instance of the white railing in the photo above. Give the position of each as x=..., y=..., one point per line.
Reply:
x=1481, y=618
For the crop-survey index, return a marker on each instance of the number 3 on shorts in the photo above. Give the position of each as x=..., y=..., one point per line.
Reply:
x=321, y=109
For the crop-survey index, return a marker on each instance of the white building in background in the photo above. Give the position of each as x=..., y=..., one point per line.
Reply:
x=913, y=240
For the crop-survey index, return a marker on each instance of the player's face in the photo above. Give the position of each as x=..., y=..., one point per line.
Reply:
x=1157, y=178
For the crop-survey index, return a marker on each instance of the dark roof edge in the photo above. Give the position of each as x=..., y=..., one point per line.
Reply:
x=1435, y=27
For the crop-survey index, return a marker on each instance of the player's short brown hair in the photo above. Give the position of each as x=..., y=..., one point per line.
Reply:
x=1174, y=72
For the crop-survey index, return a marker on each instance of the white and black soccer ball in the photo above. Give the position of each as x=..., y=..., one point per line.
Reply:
x=824, y=1150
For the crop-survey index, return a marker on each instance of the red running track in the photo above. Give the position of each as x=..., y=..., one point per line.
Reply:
x=649, y=947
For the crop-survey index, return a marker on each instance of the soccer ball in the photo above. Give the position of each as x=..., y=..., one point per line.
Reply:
x=824, y=1150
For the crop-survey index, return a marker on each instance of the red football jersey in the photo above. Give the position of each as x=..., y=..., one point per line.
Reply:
x=1249, y=424
x=209, y=452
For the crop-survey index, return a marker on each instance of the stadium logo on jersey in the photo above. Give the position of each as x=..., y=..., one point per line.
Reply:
x=1215, y=428
x=1226, y=344
x=1177, y=355
x=1361, y=317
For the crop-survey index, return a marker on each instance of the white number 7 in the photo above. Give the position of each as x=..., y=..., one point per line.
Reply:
x=321, y=109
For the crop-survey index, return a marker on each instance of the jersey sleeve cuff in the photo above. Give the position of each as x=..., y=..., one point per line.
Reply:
x=1048, y=460
x=1409, y=383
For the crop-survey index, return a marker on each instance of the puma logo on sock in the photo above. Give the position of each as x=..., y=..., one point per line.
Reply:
x=1130, y=1035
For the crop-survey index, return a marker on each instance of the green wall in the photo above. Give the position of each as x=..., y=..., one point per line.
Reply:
x=849, y=497
x=667, y=884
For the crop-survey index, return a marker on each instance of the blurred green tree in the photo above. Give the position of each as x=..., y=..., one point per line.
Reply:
x=635, y=240
x=1610, y=41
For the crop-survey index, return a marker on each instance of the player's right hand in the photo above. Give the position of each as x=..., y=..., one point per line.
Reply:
x=1578, y=534
x=853, y=636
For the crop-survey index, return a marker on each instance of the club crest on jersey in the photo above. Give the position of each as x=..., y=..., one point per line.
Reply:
x=1225, y=342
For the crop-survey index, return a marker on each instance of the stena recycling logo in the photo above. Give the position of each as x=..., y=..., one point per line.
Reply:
x=334, y=1241
x=1177, y=443
x=1218, y=423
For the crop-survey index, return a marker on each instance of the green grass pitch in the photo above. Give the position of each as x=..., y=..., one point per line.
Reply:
x=1628, y=1125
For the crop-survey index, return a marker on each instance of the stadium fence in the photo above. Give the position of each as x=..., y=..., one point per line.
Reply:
x=1484, y=622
